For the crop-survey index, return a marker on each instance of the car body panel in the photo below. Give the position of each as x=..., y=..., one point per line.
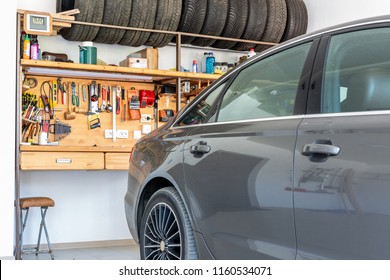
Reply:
x=341, y=204
x=238, y=191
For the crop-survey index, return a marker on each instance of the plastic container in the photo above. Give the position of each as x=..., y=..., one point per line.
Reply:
x=34, y=49
x=210, y=61
x=88, y=53
x=194, y=66
x=251, y=53
x=26, y=47
x=217, y=66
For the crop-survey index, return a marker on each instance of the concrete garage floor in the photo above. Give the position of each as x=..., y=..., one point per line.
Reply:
x=123, y=252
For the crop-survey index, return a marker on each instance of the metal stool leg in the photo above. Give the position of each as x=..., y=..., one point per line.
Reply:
x=43, y=225
x=23, y=226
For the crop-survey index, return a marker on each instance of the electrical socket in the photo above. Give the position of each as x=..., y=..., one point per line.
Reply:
x=146, y=118
x=108, y=133
x=122, y=134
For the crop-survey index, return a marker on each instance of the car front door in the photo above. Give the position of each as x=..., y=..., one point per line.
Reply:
x=342, y=167
x=238, y=165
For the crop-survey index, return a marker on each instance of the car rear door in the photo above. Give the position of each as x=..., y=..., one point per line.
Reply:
x=342, y=167
x=238, y=165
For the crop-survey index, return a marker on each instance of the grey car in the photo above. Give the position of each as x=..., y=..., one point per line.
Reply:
x=287, y=156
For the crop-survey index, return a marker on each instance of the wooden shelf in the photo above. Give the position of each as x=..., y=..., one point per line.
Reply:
x=109, y=72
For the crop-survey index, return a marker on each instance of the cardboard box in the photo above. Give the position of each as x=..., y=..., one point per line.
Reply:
x=151, y=54
x=134, y=62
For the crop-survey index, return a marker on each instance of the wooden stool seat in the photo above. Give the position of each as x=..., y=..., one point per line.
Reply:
x=39, y=201
x=43, y=203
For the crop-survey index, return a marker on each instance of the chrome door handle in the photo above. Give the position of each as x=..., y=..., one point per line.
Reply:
x=320, y=150
x=200, y=148
x=329, y=150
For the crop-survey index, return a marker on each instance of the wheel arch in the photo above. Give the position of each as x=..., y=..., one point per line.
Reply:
x=151, y=187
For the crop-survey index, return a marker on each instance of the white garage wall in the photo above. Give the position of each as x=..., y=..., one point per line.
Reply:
x=8, y=136
x=89, y=205
x=330, y=12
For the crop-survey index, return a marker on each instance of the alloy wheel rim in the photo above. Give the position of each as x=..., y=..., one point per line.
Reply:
x=162, y=240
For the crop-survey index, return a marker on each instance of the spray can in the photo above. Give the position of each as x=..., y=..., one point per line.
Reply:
x=26, y=47
x=34, y=50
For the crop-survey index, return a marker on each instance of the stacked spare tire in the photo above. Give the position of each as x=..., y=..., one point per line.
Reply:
x=272, y=21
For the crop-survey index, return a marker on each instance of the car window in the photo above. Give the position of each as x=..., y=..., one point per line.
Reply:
x=199, y=112
x=266, y=88
x=357, y=72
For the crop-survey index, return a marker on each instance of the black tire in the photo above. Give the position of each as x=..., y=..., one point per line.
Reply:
x=193, y=14
x=255, y=25
x=214, y=22
x=276, y=23
x=116, y=12
x=235, y=23
x=74, y=32
x=297, y=19
x=64, y=5
x=90, y=11
x=167, y=18
x=166, y=232
x=143, y=13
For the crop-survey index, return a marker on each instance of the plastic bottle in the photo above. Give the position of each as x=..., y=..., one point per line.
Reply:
x=194, y=66
x=21, y=45
x=251, y=52
x=26, y=47
x=203, y=62
x=34, y=49
x=210, y=60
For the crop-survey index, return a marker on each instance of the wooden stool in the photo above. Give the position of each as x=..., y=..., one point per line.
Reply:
x=44, y=203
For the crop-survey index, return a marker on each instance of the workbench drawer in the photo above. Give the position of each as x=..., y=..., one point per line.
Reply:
x=61, y=161
x=117, y=161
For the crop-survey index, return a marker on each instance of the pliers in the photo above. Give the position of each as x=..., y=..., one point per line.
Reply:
x=75, y=97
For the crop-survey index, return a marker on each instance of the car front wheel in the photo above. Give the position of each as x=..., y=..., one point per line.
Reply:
x=166, y=232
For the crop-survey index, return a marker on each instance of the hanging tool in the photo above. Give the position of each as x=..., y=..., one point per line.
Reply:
x=93, y=98
x=60, y=130
x=83, y=90
x=118, y=100
x=61, y=88
x=109, y=107
x=104, y=98
x=123, y=97
x=75, y=97
x=54, y=94
x=93, y=121
x=45, y=99
x=99, y=89
x=69, y=115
